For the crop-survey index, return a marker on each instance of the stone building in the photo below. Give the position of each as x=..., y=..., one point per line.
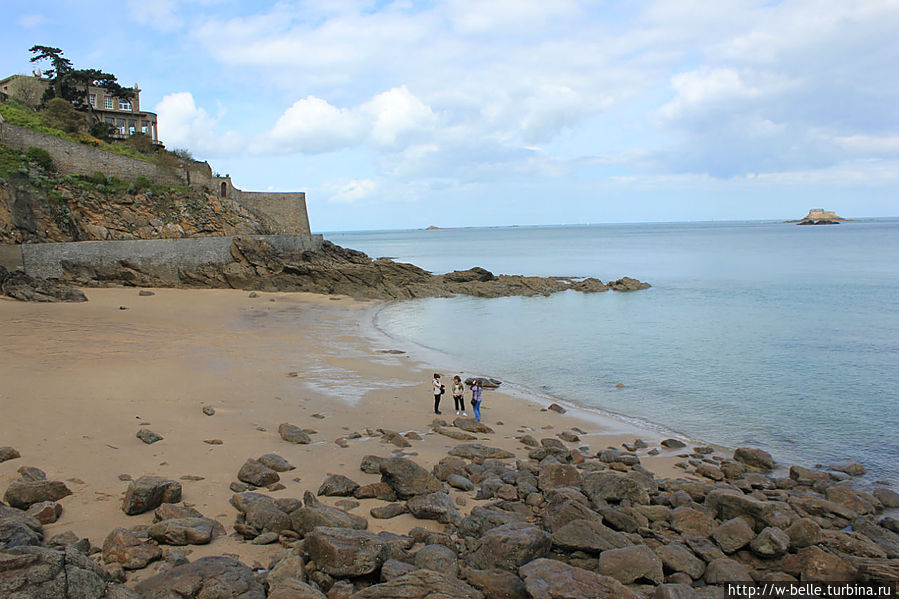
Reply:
x=123, y=114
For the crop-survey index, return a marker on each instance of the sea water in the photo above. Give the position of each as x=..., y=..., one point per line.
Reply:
x=766, y=334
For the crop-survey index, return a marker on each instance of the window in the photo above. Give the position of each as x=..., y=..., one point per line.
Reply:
x=110, y=120
x=107, y=102
x=132, y=127
x=144, y=126
x=92, y=99
x=124, y=104
x=120, y=125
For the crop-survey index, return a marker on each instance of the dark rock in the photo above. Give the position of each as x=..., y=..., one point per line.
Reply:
x=148, y=436
x=588, y=535
x=257, y=474
x=209, y=410
x=385, y=512
x=481, y=519
x=804, y=532
x=8, y=453
x=674, y=591
x=31, y=474
x=628, y=564
x=553, y=476
x=434, y=506
x=18, y=285
x=554, y=407
x=407, y=478
x=677, y=558
x=44, y=573
x=206, y=577
x=511, y=545
x=377, y=490
x=755, y=458
x=304, y=519
x=589, y=285
x=733, y=535
x=293, y=434
x=710, y=471
x=343, y=552
x=496, y=584
x=185, y=531
x=552, y=579
x=420, y=584
x=724, y=570
x=19, y=531
x=672, y=444
x=148, y=493
x=124, y=547
x=888, y=497
x=438, y=558
x=485, y=382
x=338, y=485
x=458, y=481
x=453, y=433
x=471, y=425
x=771, y=542
x=850, y=468
x=804, y=476
x=394, y=569
x=813, y=564
x=45, y=512
x=396, y=439
x=167, y=511
x=22, y=494
x=294, y=589
x=627, y=284
x=478, y=453
x=612, y=487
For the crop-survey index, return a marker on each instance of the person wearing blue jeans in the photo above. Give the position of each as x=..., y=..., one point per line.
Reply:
x=476, y=398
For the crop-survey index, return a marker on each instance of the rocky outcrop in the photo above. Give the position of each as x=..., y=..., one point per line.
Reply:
x=18, y=285
x=330, y=270
x=819, y=216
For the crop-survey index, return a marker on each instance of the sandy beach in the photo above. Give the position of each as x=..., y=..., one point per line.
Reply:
x=79, y=381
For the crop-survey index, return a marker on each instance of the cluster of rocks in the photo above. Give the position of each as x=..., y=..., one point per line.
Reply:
x=554, y=521
x=18, y=285
x=334, y=270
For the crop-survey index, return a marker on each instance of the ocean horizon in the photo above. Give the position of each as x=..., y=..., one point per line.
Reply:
x=757, y=333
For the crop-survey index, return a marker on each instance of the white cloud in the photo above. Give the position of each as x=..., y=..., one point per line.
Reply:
x=353, y=191
x=31, y=21
x=397, y=116
x=183, y=124
x=314, y=126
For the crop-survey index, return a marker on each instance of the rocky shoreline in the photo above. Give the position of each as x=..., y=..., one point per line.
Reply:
x=550, y=520
x=333, y=270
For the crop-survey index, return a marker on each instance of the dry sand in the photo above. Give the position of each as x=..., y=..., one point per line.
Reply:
x=77, y=381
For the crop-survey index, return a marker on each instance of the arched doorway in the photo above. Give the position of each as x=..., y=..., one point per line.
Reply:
x=224, y=190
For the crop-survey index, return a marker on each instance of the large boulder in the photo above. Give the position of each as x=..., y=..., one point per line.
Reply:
x=588, y=535
x=343, y=552
x=496, y=584
x=804, y=532
x=471, y=425
x=553, y=476
x=206, y=577
x=17, y=528
x=612, y=487
x=185, y=531
x=18, y=285
x=509, y=546
x=755, y=458
x=733, y=534
x=690, y=522
x=253, y=472
x=420, y=584
x=629, y=564
x=148, y=493
x=44, y=573
x=407, y=479
x=125, y=548
x=677, y=558
x=261, y=512
x=7, y=452
x=312, y=515
x=771, y=542
x=724, y=570
x=481, y=519
x=338, y=485
x=552, y=579
x=813, y=564
x=22, y=494
x=434, y=506
x=438, y=558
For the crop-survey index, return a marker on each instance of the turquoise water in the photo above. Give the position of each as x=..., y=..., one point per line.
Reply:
x=762, y=333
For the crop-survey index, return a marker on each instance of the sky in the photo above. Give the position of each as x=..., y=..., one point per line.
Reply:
x=405, y=114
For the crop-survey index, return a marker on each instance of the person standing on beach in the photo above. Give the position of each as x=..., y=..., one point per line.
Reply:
x=476, y=389
x=439, y=390
x=458, y=396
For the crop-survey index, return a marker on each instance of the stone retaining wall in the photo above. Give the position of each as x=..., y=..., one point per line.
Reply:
x=164, y=256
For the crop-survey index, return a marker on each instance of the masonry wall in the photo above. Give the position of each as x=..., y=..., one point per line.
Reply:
x=75, y=158
x=164, y=256
x=284, y=212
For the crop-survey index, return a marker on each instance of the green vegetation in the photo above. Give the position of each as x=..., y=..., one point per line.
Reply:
x=70, y=84
x=41, y=158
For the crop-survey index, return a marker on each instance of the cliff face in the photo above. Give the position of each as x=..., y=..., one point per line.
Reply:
x=72, y=211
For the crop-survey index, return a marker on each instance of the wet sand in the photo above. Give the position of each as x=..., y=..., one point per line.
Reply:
x=77, y=381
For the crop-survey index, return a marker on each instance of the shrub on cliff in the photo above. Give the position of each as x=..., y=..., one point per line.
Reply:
x=41, y=158
x=59, y=114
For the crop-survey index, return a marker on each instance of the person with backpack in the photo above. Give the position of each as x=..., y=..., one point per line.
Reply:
x=439, y=390
x=476, y=389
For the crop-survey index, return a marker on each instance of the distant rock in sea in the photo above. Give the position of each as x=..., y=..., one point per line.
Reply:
x=819, y=216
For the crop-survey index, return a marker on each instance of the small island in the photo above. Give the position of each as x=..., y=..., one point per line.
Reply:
x=819, y=216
